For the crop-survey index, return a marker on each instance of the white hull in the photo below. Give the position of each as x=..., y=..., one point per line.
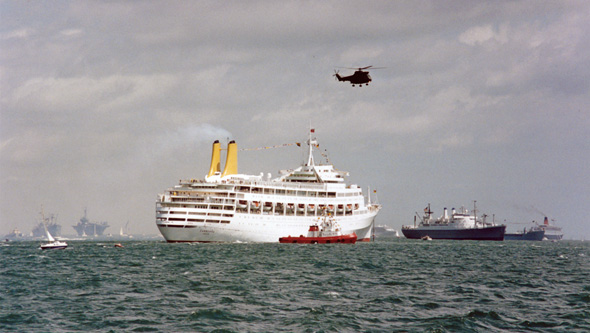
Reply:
x=260, y=228
x=54, y=246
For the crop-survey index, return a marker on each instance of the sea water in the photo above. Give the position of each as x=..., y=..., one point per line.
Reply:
x=387, y=285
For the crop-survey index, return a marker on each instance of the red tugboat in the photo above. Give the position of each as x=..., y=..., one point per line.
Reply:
x=327, y=232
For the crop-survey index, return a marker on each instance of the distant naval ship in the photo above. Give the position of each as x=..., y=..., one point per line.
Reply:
x=52, y=226
x=86, y=228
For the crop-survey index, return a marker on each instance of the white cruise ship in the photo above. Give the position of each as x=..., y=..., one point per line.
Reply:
x=552, y=232
x=231, y=207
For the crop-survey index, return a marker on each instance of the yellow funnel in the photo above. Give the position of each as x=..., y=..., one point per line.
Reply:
x=215, y=159
x=231, y=164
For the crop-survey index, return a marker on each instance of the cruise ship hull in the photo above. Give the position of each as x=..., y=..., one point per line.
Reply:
x=259, y=228
x=494, y=233
x=554, y=236
x=536, y=235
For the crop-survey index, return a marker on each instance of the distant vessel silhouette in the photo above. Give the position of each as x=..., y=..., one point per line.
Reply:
x=86, y=228
x=50, y=223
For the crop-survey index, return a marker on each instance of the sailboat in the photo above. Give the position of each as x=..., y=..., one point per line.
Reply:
x=124, y=232
x=53, y=243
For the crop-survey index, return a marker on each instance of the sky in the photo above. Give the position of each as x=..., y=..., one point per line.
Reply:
x=106, y=104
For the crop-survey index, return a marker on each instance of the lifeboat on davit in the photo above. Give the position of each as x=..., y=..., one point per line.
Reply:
x=326, y=231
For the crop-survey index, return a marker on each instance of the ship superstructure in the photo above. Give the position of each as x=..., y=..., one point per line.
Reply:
x=229, y=207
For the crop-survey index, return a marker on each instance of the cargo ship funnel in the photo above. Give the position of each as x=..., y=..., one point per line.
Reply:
x=215, y=159
x=231, y=163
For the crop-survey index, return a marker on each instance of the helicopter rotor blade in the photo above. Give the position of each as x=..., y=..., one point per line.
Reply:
x=361, y=68
x=357, y=68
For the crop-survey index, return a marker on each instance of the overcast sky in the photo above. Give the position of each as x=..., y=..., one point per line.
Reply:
x=105, y=104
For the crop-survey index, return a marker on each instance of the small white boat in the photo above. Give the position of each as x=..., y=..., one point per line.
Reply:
x=54, y=244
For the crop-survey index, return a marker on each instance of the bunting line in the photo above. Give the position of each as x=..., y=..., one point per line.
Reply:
x=271, y=147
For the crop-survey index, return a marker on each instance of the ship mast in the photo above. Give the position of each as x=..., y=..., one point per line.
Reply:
x=475, y=213
x=369, y=204
x=311, y=142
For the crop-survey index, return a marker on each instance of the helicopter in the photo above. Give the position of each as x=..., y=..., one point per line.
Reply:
x=359, y=77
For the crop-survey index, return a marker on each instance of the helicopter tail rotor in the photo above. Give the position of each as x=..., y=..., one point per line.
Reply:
x=337, y=75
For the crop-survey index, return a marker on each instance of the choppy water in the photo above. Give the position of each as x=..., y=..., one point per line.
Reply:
x=388, y=285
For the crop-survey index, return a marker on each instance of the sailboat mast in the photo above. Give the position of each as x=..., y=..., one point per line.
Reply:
x=47, y=234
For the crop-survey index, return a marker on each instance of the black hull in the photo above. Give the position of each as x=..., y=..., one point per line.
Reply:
x=495, y=233
x=536, y=235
